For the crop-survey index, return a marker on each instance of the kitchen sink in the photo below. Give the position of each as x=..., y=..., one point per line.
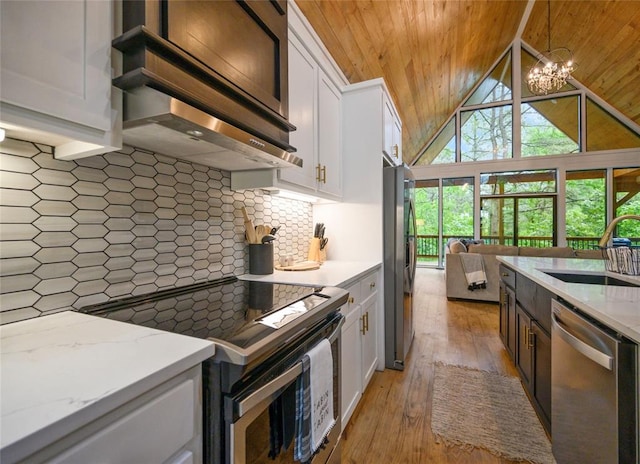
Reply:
x=594, y=279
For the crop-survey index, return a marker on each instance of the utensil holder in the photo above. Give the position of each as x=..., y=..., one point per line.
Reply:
x=260, y=258
x=314, y=250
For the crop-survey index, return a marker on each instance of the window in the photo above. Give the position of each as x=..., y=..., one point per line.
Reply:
x=604, y=132
x=550, y=127
x=585, y=203
x=486, y=134
x=427, y=205
x=626, y=196
x=457, y=208
x=518, y=208
x=443, y=147
x=496, y=86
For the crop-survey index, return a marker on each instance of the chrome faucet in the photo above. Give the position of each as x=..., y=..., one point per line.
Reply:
x=609, y=230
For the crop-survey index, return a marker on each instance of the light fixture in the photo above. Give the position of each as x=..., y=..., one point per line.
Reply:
x=553, y=68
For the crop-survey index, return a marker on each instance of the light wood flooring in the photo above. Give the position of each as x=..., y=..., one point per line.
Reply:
x=392, y=423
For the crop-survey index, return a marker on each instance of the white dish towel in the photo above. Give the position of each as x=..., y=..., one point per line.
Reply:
x=321, y=376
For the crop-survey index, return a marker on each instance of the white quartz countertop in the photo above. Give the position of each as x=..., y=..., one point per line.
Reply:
x=330, y=274
x=616, y=307
x=62, y=371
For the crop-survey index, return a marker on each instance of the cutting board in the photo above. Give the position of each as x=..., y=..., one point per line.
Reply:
x=302, y=266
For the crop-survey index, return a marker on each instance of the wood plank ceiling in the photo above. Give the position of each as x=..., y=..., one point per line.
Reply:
x=432, y=53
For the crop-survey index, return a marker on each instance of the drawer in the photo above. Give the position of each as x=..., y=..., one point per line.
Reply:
x=354, y=299
x=508, y=275
x=369, y=285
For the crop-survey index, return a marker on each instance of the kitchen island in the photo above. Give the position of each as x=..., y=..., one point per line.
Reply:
x=617, y=307
x=75, y=385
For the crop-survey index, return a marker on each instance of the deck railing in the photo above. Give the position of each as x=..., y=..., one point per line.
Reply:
x=427, y=245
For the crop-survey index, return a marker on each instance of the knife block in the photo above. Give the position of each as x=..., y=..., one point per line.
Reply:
x=315, y=253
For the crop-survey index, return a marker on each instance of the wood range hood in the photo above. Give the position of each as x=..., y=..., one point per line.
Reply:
x=199, y=93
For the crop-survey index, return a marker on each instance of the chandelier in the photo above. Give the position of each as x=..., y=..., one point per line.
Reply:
x=553, y=68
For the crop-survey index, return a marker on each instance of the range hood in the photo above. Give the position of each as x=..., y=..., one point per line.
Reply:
x=158, y=122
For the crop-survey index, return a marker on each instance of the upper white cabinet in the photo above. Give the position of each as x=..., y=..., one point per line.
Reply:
x=56, y=74
x=392, y=133
x=315, y=109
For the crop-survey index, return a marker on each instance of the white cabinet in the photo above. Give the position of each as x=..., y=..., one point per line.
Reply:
x=359, y=342
x=315, y=110
x=163, y=425
x=56, y=75
x=392, y=133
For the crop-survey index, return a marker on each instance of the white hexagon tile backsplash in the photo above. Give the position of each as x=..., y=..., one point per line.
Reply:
x=74, y=233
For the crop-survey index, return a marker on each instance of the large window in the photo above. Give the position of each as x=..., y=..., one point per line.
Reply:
x=572, y=120
x=626, y=196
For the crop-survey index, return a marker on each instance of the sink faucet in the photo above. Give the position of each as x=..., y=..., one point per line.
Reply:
x=609, y=230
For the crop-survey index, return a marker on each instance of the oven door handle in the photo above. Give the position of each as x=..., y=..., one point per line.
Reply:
x=270, y=391
x=273, y=389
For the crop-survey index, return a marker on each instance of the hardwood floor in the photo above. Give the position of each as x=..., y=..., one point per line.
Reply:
x=392, y=423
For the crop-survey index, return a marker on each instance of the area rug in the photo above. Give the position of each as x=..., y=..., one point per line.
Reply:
x=479, y=409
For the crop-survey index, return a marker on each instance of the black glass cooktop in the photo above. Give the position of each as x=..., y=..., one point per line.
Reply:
x=238, y=313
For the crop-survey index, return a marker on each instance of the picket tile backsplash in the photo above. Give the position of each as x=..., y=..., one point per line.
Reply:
x=74, y=233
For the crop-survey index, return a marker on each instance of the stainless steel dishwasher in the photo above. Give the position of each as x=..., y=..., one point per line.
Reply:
x=594, y=391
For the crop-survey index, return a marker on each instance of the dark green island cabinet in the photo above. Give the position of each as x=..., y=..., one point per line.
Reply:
x=525, y=330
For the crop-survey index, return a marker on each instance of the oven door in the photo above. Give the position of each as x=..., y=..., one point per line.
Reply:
x=251, y=414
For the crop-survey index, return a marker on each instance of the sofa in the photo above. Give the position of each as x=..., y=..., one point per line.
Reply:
x=456, y=282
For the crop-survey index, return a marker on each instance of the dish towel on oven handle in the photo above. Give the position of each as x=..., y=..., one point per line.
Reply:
x=314, y=401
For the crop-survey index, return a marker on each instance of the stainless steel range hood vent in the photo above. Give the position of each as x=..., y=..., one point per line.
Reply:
x=160, y=123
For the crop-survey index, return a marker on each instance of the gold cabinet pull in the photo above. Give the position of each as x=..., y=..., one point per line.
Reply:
x=324, y=174
x=366, y=321
x=395, y=150
x=318, y=170
x=532, y=339
x=363, y=329
x=372, y=285
x=351, y=300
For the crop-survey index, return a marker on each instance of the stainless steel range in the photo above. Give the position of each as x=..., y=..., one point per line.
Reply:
x=261, y=331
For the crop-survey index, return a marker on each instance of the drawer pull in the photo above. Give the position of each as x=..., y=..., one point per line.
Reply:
x=505, y=274
x=351, y=300
x=372, y=285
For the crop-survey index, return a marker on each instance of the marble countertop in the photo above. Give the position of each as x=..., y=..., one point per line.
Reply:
x=330, y=274
x=616, y=307
x=62, y=371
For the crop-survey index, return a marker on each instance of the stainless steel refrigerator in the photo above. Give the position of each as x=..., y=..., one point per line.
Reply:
x=399, y=262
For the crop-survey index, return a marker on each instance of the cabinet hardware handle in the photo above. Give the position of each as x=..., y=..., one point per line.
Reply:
x=366, y=321
x=324, y=174
x=318, y=178
x=532, y=339
x=364, y=327
x=351, y=300
x=505, y=274
x=372, y=285
x=526, y=336
x=395, y=150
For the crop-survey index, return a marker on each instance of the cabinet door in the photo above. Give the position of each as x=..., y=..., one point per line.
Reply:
x=56, y=59
x=542, y=372
x=369, y=339
x=329, y=136
x=302, y=111
x=351, y=365
x=396, y=148
x=387, y=127
x=244, y=41
x=524, y=356
x=512, y=330
x=504, y=305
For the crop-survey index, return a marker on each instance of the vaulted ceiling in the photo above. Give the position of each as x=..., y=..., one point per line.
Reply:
x=431, y=53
